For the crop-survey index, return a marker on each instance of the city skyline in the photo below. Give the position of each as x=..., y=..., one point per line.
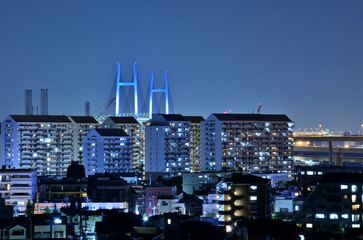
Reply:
x=298, y=59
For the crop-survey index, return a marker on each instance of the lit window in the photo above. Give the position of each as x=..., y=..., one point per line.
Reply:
x=320, y=173
x=354, y=198
x=342, y=187
x=319, y=215
x=333, y=216
x=355, y=217
x=345, y=196
x=309, y=225
x=296, y=208
x=355, y=207
x=253, y=198
x=355, y=225
x=310, y=173
x=169, y=221
x=302, y=173
x=354, y=188
x=253, y=188
x=345, y=216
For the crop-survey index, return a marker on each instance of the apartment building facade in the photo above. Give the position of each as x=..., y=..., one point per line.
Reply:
x=243, y=197
x=167, y=144
x=107, y=150
x=248, y=142
x=44, y=143
x=80, y=126
x=18, y=186
x=133, y=128
x=195, y=142
x=335, y=204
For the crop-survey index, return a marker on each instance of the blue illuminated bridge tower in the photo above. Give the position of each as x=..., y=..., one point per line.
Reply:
x=134, y=84
x=158, y=90
x=120, y=84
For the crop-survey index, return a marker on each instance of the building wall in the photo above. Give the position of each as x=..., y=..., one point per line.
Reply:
x=243, y=201
x=252, y=146
x=151, y=198
x=17, y=187
x=45, y=146
x=167, y=146
x=79, y=132
x=107, y=153
x=134, y=131
x=154, y=149
x=195, y=147
x=332, y=207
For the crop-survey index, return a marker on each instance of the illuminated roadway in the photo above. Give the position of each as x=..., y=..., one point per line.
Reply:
x=353, y=153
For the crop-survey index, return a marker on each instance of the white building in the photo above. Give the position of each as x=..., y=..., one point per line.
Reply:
x=250, y=142
x=18, y=186
x=211, y=206
x=107, y=150
x=44, y=143
x=80, y=125
x=167, y=144
x=132, y=128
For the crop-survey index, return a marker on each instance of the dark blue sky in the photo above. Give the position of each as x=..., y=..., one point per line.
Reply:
x=302, y=58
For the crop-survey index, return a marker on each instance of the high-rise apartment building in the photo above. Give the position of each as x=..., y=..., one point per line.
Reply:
x=195, y=143
x=167, y=144
x=107, y=150
x=80, y=126
x=44, y=101
x=18, y=186
x=243, y=197
x=249, y=142
x=47, y=143
x=28, y=102
x=41, y=142
x=132, y=128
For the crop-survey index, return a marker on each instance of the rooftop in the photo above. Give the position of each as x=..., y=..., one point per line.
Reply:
x=40, y=118
x=252, y=117
x=83, y=119
x=124, y=120
x=241, y=178
x=18, y=170
x=194, y=119
x=111, y=132
x=173, y=117
x=342, y=178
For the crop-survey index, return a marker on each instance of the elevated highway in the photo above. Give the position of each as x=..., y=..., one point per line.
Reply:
x=341, y=153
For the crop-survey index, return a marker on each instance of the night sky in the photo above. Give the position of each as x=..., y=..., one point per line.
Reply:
x=300, y=58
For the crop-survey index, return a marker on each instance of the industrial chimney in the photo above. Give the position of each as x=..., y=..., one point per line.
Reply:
x=87, y=107
x=28, y=102
x=44, y=101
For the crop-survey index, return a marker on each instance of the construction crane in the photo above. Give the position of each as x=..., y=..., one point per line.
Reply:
x=259, y=108
x=107, y=106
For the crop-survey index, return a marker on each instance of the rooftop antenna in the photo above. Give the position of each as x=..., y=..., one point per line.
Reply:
x=259, y=108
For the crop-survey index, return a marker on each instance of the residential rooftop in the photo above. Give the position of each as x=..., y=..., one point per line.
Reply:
x=40, y=118
x=111, y=132
x=252, y=117
x=124, y=120
x=83, y=119
x=194, y=119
